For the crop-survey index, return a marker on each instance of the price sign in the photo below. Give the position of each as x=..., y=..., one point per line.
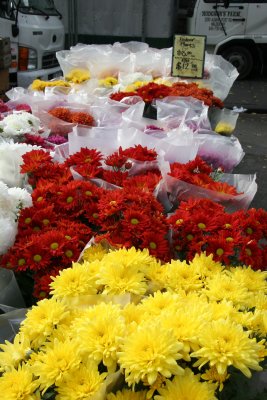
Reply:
x=188, y=56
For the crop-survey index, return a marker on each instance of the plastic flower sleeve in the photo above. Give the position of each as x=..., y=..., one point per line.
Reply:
x=10, y=294
x=100, y=138
x=170, y=191
x=223, y=121
x=219, y=151
x=219, y=75
x=102, y=64
x=10, y=322
x=133, y=117
x=70, y=61
x=196, y=112
x=61, y=152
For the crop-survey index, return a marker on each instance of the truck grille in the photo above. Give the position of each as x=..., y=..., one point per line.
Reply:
x=49, y=61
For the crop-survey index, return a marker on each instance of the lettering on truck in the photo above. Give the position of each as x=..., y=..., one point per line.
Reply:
x=226, y=17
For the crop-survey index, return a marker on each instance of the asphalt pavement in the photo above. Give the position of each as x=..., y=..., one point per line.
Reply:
x=250, y=94
x=251, y=130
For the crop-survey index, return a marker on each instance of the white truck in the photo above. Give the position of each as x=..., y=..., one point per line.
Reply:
x=235, y=29
x=36, y=33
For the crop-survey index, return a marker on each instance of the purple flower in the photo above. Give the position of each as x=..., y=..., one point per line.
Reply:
x=57, y=139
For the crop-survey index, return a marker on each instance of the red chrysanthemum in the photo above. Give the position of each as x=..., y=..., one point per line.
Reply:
x=116, y=178
x=144, y=182
x=157, y=245
x=251, y=254
x=223, y=187
x=82, y=118
x=41, y=283
x=85, y=156
x=34, y=160
x=61, y=113
x=140, y=153
x=221, y=249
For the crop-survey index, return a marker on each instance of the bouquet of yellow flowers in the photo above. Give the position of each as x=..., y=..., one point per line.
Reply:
x=120, y=325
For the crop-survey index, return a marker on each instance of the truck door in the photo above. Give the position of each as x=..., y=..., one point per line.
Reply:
x=7, y=20
x=217, y=22
x=257, y=18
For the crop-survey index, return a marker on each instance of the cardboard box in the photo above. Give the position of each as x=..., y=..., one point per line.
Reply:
x=5, y=47
x=5, y=61
x=4, y=81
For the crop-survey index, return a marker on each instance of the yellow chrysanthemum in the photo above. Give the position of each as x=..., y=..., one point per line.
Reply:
x=180, y=276
x=224, y=343
x=109, y=81
x=78, y=75
x=256, y=321
x=73, y=282
x=99, y=332
x=149, y=352
x=205, y=265
x=224, y=128
x=156, y=276
x=134, y=86
x=140, y=258
x=163, y=81
x=40, y=85
x=133, y=315
x=223, y=309
x=18, y=384
x=55, y=363
x=159, y=303
x=121, y=272
x=254, y=281
x=127, y=394
x=212, y=376
x=42, y=319
x=85, y=383
x=187, y=387
x=186, y=320
x=13, y=354
x=222, y=286
x=260, y=301
x=93, y=253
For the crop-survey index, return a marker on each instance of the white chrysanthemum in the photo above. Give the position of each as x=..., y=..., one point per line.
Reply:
x=4, y=198
x=8, y=232
x=19, y=123
x=10, y=160
x=19, y=198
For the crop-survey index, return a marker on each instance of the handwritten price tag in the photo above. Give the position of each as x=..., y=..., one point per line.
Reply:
x=188, y=56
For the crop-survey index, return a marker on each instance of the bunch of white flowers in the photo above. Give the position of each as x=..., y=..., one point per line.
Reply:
x=19, y=123
x=12, y=200
x=10, y=161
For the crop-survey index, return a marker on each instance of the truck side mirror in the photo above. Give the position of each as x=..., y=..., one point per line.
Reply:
x=15, y=30
x=226, y=3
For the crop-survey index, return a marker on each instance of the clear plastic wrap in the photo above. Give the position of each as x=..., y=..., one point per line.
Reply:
x=219, y=151
x=133, y=117
x=171, y=191
x=177, y=145
x=219, y=75
x=195, y=112
x=223, y=121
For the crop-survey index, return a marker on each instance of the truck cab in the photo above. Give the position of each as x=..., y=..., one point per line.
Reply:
x=235, y=29
x=36, y=33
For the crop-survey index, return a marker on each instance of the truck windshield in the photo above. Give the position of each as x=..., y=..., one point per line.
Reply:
x=37, y=7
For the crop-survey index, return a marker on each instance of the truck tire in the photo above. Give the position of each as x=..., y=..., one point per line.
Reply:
x=241, y=58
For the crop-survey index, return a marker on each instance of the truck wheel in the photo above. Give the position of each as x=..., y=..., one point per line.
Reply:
x=241, y=58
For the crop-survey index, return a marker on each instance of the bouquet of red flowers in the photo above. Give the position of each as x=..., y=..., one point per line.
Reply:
x=153, y=91
x=239, y=238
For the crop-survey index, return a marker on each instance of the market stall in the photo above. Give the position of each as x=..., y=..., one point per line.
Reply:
x=126, y=237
